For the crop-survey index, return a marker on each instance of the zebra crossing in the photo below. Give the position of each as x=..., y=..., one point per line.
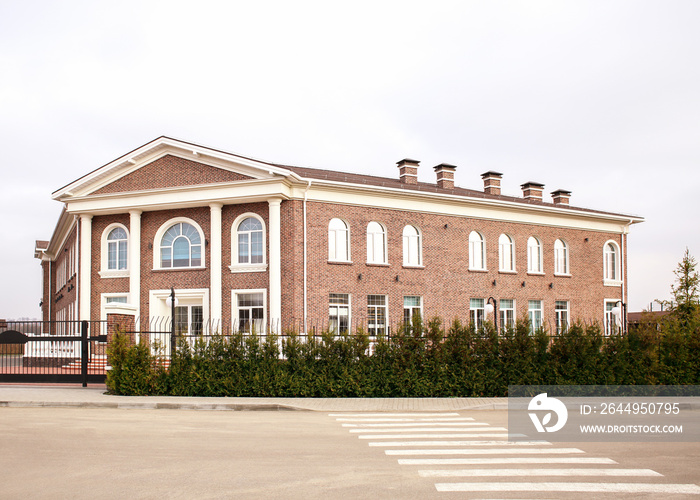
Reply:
x=442, y=444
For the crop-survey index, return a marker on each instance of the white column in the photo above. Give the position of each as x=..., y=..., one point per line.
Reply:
x=275, y=264
x=85, y=265
x=135, y=260
x=215, y=262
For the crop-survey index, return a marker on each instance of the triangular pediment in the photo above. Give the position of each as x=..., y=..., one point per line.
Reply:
x=168, y=163
x=171, y=171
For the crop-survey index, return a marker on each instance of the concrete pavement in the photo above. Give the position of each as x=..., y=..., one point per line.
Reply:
x=95, y=396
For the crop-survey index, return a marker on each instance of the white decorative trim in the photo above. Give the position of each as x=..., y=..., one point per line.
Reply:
x=248, y=268
x=234, y=303
x=159, y=236
x=612, y=283
x=235, y=266
x=185, y=296
x=104, y=272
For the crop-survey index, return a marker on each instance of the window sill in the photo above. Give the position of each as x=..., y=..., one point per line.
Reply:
x=122, y=273
x=377, y=264
x=612, y=283
x=478, y=270
x=409, y=266
x=341, y=262
x=248, y=268
x=166, y=269
x=504, y=271
x=561, y=275
x=534, y=273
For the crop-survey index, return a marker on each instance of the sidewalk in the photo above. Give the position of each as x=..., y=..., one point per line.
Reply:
x=94, y=396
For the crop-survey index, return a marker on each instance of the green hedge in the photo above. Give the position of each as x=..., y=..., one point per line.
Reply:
x=422, y=360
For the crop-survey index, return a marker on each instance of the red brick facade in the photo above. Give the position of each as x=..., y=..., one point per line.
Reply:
x=444, y=280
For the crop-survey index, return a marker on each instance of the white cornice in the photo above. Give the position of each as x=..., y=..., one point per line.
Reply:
x=158, y=148
x=182, y=197
x=447, y=204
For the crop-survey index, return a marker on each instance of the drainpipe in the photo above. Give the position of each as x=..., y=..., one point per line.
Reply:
x=306, y=192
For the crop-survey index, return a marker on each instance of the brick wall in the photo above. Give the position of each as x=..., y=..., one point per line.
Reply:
x=445, y=283
x=170, y=171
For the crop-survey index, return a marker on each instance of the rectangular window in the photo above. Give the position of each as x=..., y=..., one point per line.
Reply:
x=561, y=315
x=251, y=312
x=534, y=309
x=476, y=312
x=339, y=313
x=612, y=326
x=376, y=314
x=507, y=313
x=412, y=305
x=119, y=300
x=189, y=320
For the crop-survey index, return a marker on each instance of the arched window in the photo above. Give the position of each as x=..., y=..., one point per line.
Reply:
x=561, y=257
x=114, y=252
x=250, y=241
x=506, y=253
x=534, y=255
x=611, y=262
x=376, y=243
x=117, y=244
x=412, y=247
x=477, y=251
x=338, y=241
x=181, y=246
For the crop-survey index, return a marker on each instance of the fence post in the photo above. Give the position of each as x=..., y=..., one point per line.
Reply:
x=84, y=352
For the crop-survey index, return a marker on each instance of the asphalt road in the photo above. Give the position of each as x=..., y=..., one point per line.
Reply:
x=117, y=453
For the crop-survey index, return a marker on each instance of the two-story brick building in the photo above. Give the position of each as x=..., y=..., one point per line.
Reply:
x=244, y=242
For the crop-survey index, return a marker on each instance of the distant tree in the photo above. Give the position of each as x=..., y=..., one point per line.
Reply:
x=686, y=291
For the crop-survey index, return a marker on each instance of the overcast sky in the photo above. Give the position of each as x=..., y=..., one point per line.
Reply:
x=601, y=98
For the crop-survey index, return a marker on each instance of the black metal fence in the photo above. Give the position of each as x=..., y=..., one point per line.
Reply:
x=53, y=351
x=158, y=333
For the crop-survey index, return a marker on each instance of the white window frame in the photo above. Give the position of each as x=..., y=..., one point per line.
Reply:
x=105, y=272
x=376, y=243
x=535, y=323
x=477, y=312
x=159, y=237
x=238, y=267
x=562, y=316
x=335, y=310
x=412, y=247
x=561, y=258
x=477, y=251
x=372, y=330
x=506, y=320
x=534, y=256
x=412, y=308
x=616, y=278
x=611, y=325
x=235, y=309
x=338, y=238
x=506, y=254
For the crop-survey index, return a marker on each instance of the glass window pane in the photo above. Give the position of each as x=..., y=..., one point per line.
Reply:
x=181, y=252
x=165, y=257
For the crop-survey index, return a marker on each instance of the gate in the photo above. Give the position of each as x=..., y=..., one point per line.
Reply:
x=52, y=351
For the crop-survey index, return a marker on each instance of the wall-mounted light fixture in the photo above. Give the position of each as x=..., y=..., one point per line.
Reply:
x=397, y=278
x=523, y=284
x=551, y=285
x=493, y=282
x=359, y=277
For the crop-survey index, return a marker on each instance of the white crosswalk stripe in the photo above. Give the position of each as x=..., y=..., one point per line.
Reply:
x=437, y=437
x=387, y=444
x=512, y=472
x=668, y=489
x=487, y=451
